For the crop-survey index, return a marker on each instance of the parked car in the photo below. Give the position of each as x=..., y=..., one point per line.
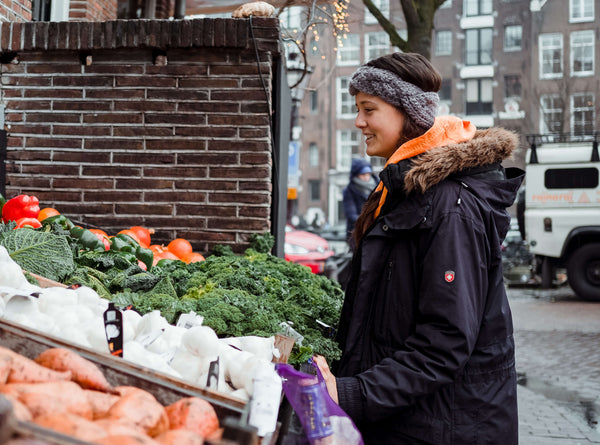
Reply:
x=306, y=248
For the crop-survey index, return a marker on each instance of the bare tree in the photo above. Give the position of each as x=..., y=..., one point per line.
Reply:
x=419, y=15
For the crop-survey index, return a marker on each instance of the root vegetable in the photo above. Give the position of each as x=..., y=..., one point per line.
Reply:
x=141, y=410
x=21, y=412
x=24, y=370
x=83, y=371
x=55, y=397
x=194, y=414
x=72, y=425
x=100, y=402
x=126, y=439
x=179, y=437
x=115, y=427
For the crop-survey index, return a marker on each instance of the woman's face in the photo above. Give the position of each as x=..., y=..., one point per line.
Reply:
x=381, y=124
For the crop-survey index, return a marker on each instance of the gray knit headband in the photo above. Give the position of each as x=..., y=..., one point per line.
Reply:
x=419, y=105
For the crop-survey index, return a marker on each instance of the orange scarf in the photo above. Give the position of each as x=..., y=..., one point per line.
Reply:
x=445, y=130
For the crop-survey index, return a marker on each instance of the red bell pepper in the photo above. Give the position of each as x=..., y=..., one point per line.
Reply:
x=28, y=222
x=22, y=206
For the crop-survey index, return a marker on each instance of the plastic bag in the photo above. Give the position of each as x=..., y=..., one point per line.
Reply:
x=324, y=422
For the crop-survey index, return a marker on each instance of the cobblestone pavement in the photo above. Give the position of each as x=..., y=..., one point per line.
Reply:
x=557, y=340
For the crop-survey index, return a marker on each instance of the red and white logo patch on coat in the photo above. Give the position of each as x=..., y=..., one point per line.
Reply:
x=449, y=276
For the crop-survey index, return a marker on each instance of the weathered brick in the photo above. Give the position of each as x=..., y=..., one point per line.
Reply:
x=255, y=212
x=53, y=117
x=255, y=159
x=80, y=130
x=113, y=144
x=178, y=172
x=113, y=171
x=186, y=184
x=239, y=198
x=234, y=119
x=81, y=156
x=144, y=209
x=211, y=107
x=177, y=94
x=53, y=142
x=82, y=183
x=175, y=118
x=195, y=83
x=144, y=183
x=175, y=196
x=113, y=195
x=112, y=118
x=207, y=159
x=145, y=131
x=238, y=224
x=176, y=144
x=66, y=105
x=207, y=132
x=143, y=157
x=206, y=210
x=241, y=145
x=144, y=105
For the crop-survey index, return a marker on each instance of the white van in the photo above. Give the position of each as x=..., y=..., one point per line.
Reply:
x=562, y=210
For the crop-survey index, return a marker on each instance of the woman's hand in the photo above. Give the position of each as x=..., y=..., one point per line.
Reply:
x=327, y=376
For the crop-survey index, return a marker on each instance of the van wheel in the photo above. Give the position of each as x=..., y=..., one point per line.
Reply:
x=583, y=272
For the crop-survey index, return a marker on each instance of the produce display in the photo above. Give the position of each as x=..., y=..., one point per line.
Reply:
x=237, y=295
x=64, y=392
x=210, y=321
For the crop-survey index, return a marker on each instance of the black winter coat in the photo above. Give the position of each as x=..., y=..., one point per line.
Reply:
x=426, y=328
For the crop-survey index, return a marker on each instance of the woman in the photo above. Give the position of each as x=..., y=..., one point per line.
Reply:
x=361, y=184
x=426, y=329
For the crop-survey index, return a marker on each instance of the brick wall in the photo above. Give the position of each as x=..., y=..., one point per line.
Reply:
x=156, y=123
x=93, y=10
x=15, y=10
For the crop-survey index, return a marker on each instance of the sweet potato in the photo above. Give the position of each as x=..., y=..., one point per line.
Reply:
x=5, y=365
x=21, y=412
x=141, y=409
x=179, y=437
x=100, y=402
x=125, y=439
x=114, y=427
x=42, y=398
x=72, y=425
x=83, y=371
x=194, y=414
x=24, y=370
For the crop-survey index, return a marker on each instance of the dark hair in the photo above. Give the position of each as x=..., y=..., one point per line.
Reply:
x=416, y=69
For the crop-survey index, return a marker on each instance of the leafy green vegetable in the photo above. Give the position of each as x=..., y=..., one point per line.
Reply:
x=38, y=252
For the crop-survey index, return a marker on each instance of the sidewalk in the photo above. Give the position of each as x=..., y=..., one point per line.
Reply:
x=544, y=422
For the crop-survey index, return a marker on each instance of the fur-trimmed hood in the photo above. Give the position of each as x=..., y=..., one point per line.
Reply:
x=486, y=147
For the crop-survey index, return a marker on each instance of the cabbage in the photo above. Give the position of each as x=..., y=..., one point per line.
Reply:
x=41, y=253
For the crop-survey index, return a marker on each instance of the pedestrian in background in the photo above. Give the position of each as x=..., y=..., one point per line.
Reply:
x=426, y=329
x=362, y=182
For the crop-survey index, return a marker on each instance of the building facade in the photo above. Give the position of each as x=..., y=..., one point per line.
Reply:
x=525, y=65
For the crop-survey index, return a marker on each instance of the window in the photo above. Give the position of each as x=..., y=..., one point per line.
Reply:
x=478, y=7
x=443, y=43
x=314, y=187
x=512, y=85
x=50, y=10
x=551, y=114
x=571, y=178
x=512, y=37
x=478, y=46
x=581, y=10
x=551, y=50
x=582, y=53
x=313, y=155
x=582, y=117
x=314, y=101
x=478, y=93
x=345, y=102
x=384, y=8
x=376, y=44
x=348, y=52
x=445, y=92
x=348, y=147
x=291, y=18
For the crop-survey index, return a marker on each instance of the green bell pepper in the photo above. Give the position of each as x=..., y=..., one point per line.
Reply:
x=87, y=239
